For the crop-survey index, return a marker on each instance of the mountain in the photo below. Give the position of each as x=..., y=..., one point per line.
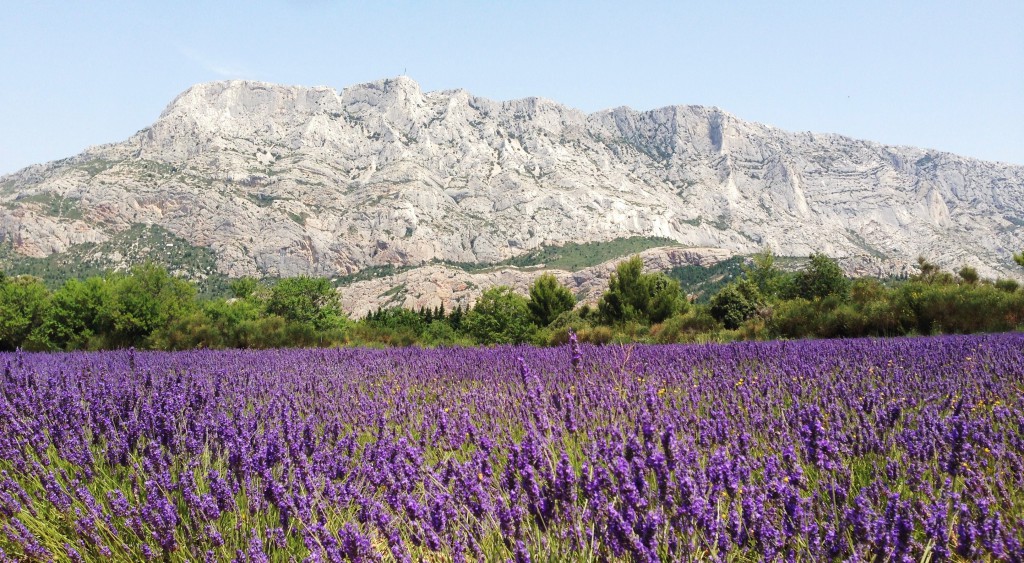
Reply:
x=281, y=180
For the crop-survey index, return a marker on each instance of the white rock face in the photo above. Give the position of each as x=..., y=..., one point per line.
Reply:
x=285, y=180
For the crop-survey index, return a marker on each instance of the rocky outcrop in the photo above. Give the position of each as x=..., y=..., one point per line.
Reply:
x=281, y=180
x=437, y=285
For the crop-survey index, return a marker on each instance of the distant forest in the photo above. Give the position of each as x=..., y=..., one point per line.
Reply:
x=739, y=299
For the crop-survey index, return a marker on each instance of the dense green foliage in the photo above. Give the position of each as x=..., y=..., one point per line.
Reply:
x=575, y=256
x=704, y=282
x=147, y=307
x=634, y=296
x=572, y=256
x=23, y=305
x=821, y=278
x=305, y=300
x=145, y=300
x=548, y=299
x=138, y=245
x=499, y=317
x=736, y=303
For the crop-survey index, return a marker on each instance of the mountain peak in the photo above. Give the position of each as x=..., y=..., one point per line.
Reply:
x=285, y=180
x=240, y=95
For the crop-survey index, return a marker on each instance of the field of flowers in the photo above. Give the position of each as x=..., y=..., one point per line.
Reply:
x=904, y=449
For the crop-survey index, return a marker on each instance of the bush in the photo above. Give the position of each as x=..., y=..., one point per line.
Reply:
x=626, y=333
x=77, y=315
x=440, y=333
x=499, y=317
x=146, y=299
x=821, y=278
x=736, y=303
x=595, y=335
x=635, y=296
x=685, y=327
x=306, y=300
x=549, y=299
x=795, y=318
x=569, y=320
x=1007, y=285
x=968, y=274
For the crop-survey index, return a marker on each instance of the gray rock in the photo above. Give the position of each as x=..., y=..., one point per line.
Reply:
x=283, y=180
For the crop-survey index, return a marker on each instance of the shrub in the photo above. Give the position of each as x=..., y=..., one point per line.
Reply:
x=820, y=278
x=440, y=333
x=499, y=317
x=144, y=300
x=736, y=303
x=635, y=296
x=1007, y=285
x=685, y=327
x=549, y=299
x=968, y=274
x=596, y=335
x=307, y=300
x=795, y=318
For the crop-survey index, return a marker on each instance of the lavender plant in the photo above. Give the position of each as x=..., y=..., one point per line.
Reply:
x=895, y=450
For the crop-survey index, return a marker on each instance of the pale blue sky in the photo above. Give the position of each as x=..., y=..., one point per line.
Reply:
x=942, y=75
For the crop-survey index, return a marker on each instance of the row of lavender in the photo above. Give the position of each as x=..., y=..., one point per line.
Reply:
x=896, y=449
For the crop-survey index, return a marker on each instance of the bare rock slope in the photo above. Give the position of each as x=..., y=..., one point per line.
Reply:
x=281, y=180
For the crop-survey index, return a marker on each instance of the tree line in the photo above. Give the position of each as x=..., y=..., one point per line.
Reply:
x=147, y=307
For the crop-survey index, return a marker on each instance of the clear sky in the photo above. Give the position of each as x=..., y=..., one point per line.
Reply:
x=934, y=74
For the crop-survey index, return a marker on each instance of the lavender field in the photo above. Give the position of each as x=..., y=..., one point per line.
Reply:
x=905, y=449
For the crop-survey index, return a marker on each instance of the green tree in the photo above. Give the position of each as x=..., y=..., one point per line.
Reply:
x=306, y=300
x=499, y=317
x=548, y=299
x=24, y=301
x=735, y=303
x=635, y=296
x=667, y=298
x=78, y=316
x=821, y=277
x=242, y=288
x=145, y=299
x=1019, y=258
x=456, y=316
x=235, y=322
x=398, y=318
x=763, y=272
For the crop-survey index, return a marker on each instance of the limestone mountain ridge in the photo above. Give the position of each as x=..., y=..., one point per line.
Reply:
x=286, y=180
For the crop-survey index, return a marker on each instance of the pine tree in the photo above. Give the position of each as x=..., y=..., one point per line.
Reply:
x=548, y=299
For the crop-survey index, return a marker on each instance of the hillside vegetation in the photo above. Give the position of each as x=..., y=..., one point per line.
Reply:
x=134, y=246
x=147, y=307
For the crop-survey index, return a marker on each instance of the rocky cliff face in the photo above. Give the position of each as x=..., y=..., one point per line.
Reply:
x=284, y=180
